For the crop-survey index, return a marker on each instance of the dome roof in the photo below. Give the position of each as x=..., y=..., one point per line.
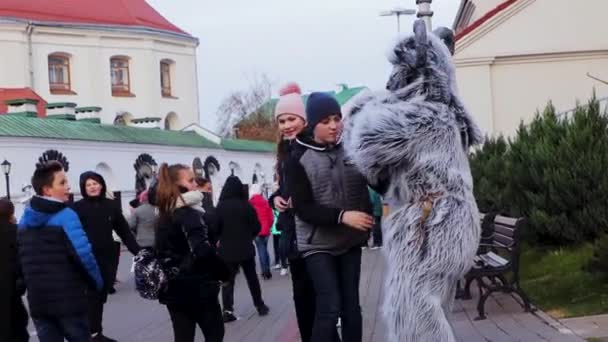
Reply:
x=133, y=13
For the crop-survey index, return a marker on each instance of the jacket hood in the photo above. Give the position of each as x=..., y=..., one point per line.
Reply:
x=233, y=189
x=40, y=211
x=96, y=177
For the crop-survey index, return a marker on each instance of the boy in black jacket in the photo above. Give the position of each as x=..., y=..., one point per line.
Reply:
x=333, y=218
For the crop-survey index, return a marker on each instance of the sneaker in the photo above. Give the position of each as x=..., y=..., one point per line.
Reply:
x=229, y=317
x=284, y=272
x=276, y=267
x=267, y=276
x=376, y=247
x=364, y=247
x=112, y=290
x=263, y=310
x=339, y=324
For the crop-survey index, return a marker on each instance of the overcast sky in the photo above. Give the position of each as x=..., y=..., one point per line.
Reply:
x=317, y=43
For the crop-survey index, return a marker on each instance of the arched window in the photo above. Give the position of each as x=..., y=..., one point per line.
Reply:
x=172, y=122
x=59, y=73
x=119, y=71
x=166, y=77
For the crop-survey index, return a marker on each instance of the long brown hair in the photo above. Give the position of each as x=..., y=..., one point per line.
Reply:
x=168, y=192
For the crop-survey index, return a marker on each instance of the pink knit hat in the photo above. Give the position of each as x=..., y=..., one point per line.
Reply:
x=290, y=101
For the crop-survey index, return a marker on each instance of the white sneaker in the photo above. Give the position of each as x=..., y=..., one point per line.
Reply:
x=376, y=247
x=284, y=272
x=339, y=324
x=276, y=267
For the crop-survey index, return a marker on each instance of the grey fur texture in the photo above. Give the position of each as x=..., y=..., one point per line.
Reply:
x=416, y=136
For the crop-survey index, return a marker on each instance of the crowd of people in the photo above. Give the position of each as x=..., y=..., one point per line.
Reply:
x=321, y=214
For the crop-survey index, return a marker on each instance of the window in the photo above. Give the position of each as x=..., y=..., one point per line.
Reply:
x=120, y=76
x=165, y=78
x=59, y=74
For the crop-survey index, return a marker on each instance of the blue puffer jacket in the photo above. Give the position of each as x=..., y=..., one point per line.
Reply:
x=57, y=262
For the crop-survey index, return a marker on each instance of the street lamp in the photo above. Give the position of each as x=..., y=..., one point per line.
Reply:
x=6, y=169
x=398, y=12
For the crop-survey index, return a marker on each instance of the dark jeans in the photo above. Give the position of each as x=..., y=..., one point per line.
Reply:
x=304, y=299
x=208, y=316
x=115, y=261
x=285, y=245
x=96, y=303
x=377, y=231
x=253, y=282
x=261, y=242
x=280, y=257
x=55, y=329
x=336, y=283
x=18, y=320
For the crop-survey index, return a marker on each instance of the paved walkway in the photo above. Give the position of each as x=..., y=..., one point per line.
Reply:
x=129, y=318
x=591, y=326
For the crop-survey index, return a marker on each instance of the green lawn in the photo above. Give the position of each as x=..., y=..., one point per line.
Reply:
x=555, y=281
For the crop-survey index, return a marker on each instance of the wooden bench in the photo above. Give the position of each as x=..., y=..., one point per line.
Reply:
x=497, y=258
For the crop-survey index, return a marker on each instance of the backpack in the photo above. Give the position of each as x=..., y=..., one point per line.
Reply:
x=151, y=277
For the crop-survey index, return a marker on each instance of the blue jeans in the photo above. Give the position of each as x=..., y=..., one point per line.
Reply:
x=336, y=283
x=55, y=329
x=261, y=242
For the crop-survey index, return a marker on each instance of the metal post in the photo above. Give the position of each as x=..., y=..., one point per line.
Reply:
x=425, y=13
x=8, y=187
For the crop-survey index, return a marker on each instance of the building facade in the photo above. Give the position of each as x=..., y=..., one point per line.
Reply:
x=120, y=56
x=513, y=57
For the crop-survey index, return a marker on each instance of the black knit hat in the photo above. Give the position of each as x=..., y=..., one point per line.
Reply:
x=319, y=106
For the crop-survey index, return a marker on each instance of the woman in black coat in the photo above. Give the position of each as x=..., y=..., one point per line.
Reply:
x=182, y=240
x=17, y=322
x=99, y=217
x=236, y=226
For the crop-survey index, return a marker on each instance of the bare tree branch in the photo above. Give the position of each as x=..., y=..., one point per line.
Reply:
x=243, y=103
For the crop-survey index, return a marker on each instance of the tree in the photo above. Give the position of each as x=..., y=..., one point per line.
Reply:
x=243, y=104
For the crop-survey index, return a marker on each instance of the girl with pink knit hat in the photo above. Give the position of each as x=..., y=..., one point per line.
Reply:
x=290, y=117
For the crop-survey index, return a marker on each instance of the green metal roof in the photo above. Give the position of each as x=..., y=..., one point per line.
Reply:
x=19, y=126
x=248, y=145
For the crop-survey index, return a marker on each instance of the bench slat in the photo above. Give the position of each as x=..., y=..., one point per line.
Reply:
x=507, y=221
x=504, y=230
x=505, y=241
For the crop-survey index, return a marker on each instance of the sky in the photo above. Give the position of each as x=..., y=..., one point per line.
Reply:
x=316, y=43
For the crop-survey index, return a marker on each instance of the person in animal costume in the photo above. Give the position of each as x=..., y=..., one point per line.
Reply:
x=411, y=143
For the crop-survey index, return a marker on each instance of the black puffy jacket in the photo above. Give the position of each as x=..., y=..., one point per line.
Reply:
x=182, y=240
x=236, y=223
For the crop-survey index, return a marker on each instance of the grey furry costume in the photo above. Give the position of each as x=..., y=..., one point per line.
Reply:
x=414, y=140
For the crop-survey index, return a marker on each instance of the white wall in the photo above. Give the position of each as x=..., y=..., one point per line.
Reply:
x=23, y=153
x=90, y=69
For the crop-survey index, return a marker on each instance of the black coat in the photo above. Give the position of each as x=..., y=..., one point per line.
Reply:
x=286, y=222
x=100, y=216
x=236, y=223
x=182, y=241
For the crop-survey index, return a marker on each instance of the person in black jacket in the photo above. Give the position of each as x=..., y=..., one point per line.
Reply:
x=333, y=219
x=100, y=216
x=182, y=239
x=290, y=117
x=236, y=226
x=57, y=261
x=17, y=318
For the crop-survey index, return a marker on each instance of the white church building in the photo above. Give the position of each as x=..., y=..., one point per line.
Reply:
x=109, y=86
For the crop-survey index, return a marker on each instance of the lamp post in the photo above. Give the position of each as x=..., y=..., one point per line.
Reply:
x=398, y=12
x=6, y=169
x=425, y=13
